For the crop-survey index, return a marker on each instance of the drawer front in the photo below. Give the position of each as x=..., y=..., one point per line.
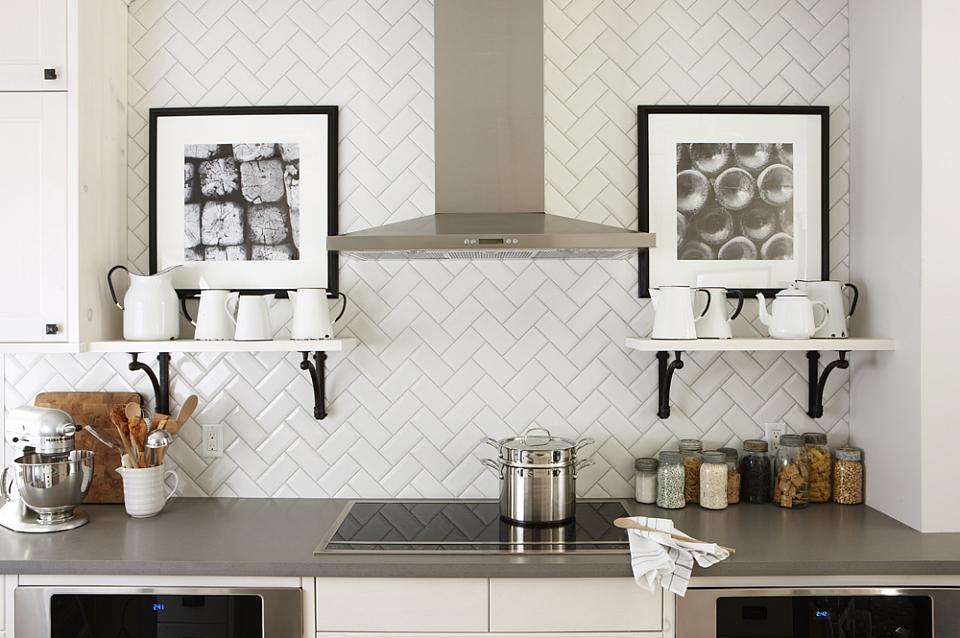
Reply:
x=399, y=605
x=573, y=605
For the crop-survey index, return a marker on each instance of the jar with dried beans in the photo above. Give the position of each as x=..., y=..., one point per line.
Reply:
x=713, y=480
x=848, y=476
x=733, y=475
x=690, y=450
x=670, y=481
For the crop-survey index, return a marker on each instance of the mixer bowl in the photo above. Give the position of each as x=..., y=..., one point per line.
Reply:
x=53, y=489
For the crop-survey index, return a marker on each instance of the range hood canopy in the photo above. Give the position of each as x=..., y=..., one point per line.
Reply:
x=490, y=151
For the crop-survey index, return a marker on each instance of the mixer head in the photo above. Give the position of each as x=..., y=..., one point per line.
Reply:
x=46, y=431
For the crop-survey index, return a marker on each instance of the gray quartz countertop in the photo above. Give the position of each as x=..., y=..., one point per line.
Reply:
x=277, y=537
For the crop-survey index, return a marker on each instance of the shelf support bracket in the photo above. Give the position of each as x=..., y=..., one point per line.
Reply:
x=666, y=368
x=160, y=381
x=318, y=376
x=818, y=382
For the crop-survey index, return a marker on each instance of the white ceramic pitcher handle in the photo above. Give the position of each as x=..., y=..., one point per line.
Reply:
x=176, y=484
x=826, y=315
x=226, y=305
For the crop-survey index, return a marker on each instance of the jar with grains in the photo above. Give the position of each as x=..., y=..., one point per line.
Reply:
x=690, y=450
x=670, y=481
x=733, y=475
x=646, y=479
x=791, y=473
x=756, y=481
x=848, y=476
x=713, y=480
x=821, y=466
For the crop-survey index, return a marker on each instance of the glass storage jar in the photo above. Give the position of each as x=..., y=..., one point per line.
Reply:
x=733, y=475
x=821, y=466
x=756, y=481
x=646, y=480
x=713, y=480
x=791, y=472
x=848, y=476
x=690, y=450
x=670, y=481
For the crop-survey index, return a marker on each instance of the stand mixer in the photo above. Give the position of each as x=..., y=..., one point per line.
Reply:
x=52, y=477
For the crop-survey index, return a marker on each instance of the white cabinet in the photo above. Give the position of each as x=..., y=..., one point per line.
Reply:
x=33, y=45
x=33, y=214
x=7, y=585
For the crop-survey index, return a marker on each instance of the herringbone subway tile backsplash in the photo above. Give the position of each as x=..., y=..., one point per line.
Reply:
x=452, y=352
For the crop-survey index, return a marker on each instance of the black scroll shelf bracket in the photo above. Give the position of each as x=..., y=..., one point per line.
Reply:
x=160, y=381
x=817, y=381
x=318, y=376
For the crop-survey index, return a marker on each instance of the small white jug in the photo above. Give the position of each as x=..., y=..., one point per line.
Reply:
x=143, y=490
x=311, y=313
x=150, y=306
x=673, y=312
x=831, y=294
x=715, y=324
x=253, y=316
x=212, y=323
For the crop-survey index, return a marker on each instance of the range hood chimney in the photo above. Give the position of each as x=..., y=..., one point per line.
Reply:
x=490, y=151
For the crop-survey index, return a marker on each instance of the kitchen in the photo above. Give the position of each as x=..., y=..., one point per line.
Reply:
x=430, y=357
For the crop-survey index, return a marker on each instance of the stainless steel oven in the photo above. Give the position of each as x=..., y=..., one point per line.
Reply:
x=157, y=612
x=843, y=612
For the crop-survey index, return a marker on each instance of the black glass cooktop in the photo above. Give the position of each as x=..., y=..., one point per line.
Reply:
x=471, y=527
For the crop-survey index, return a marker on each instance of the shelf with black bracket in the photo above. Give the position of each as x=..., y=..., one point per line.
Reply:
x=160, y=380
x=816, y=380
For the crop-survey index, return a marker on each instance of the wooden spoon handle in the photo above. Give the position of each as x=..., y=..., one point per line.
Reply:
x=626, y=523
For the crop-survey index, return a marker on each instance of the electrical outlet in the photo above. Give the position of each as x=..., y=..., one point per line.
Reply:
x=772, y=432
x=212, y=442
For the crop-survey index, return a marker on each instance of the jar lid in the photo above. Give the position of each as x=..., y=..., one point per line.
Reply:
x=731, y=453
x=814, y=438
x=691, y=445
x=849, y=453
x=646, y=465
x=715, y=456
x=791, y=440
x=668, y=457
x=755, y=445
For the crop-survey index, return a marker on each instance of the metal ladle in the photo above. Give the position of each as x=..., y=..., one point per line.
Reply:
x=156, y=446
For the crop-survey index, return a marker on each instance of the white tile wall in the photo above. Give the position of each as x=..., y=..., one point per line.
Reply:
x=452, y=352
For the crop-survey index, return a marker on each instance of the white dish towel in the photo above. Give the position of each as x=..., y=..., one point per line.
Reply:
x=658, y=558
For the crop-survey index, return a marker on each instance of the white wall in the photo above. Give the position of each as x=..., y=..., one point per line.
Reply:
x=885, y=248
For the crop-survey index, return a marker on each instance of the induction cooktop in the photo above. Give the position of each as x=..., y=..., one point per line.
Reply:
x=470, y=527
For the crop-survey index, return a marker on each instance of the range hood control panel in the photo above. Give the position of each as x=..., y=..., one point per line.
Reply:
x=491, y=241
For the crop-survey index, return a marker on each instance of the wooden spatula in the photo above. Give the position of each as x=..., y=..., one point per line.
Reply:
x=186, y=411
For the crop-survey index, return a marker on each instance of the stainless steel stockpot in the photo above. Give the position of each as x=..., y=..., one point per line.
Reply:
x=538, y=473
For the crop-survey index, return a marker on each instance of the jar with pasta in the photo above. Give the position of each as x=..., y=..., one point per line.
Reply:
x=670, y=481
x=713, y=480
x=733, y=475
x=821, y=466
x=848, y=476
x=690, y=450
x=791, y=473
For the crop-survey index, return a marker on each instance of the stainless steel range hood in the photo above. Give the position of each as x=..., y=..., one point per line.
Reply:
x=490, y=151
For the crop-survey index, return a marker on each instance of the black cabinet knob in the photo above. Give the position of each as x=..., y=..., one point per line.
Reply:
x=49, y=74
x=51, y=329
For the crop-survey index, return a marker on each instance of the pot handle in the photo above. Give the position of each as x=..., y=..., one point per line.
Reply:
x=493, y=465
x=113, y=293
x=495, y=444
x=536, y=428
x=582, y=443
x=579, y=465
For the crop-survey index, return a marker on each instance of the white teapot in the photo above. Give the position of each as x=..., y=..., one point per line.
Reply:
x=791, y=315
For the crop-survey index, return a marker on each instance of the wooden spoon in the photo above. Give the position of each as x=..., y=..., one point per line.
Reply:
x=138, y=432
x=626, y=523
x=133, y=411
x=186, y=411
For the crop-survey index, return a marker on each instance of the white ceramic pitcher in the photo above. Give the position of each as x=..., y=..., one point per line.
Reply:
x=212, y=324
x=715, y=324
x=311, y=313
x=253, y=316
x=831, y=294
x=150, y=306
x=673, y=312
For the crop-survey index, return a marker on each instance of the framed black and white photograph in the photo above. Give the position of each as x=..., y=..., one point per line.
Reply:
x=737, y=196
x=243, y=198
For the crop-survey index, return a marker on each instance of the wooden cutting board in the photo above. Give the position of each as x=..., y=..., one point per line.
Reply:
x=93, y=408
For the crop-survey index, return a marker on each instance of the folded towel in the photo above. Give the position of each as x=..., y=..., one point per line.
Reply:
x=656, y=557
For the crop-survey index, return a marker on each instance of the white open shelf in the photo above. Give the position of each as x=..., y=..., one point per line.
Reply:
x=44, y=347
x=190, y=345
x=758, y=344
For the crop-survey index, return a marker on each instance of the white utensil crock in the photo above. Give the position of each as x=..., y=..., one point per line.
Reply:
x=311, y=313
x=212, y=323
x=143, y=490
x=673, y=312
x=151, y=308
x=253, y=316
x=715, y=324
x=830, y=293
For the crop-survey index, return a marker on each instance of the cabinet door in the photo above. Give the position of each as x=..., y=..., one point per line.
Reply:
x=33, y=41
x=33, y=215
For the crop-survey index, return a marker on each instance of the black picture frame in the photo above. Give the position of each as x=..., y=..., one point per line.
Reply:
x=333, y=170
x=643, y=148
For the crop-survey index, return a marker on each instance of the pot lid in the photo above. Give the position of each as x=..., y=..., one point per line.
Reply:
x=542, y=440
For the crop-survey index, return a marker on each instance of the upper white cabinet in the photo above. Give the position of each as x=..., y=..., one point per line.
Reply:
x=33, y=45
x=63, y=170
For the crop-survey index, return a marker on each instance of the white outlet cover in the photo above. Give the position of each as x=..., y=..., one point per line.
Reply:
x=772, y=433
x=211, y=441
